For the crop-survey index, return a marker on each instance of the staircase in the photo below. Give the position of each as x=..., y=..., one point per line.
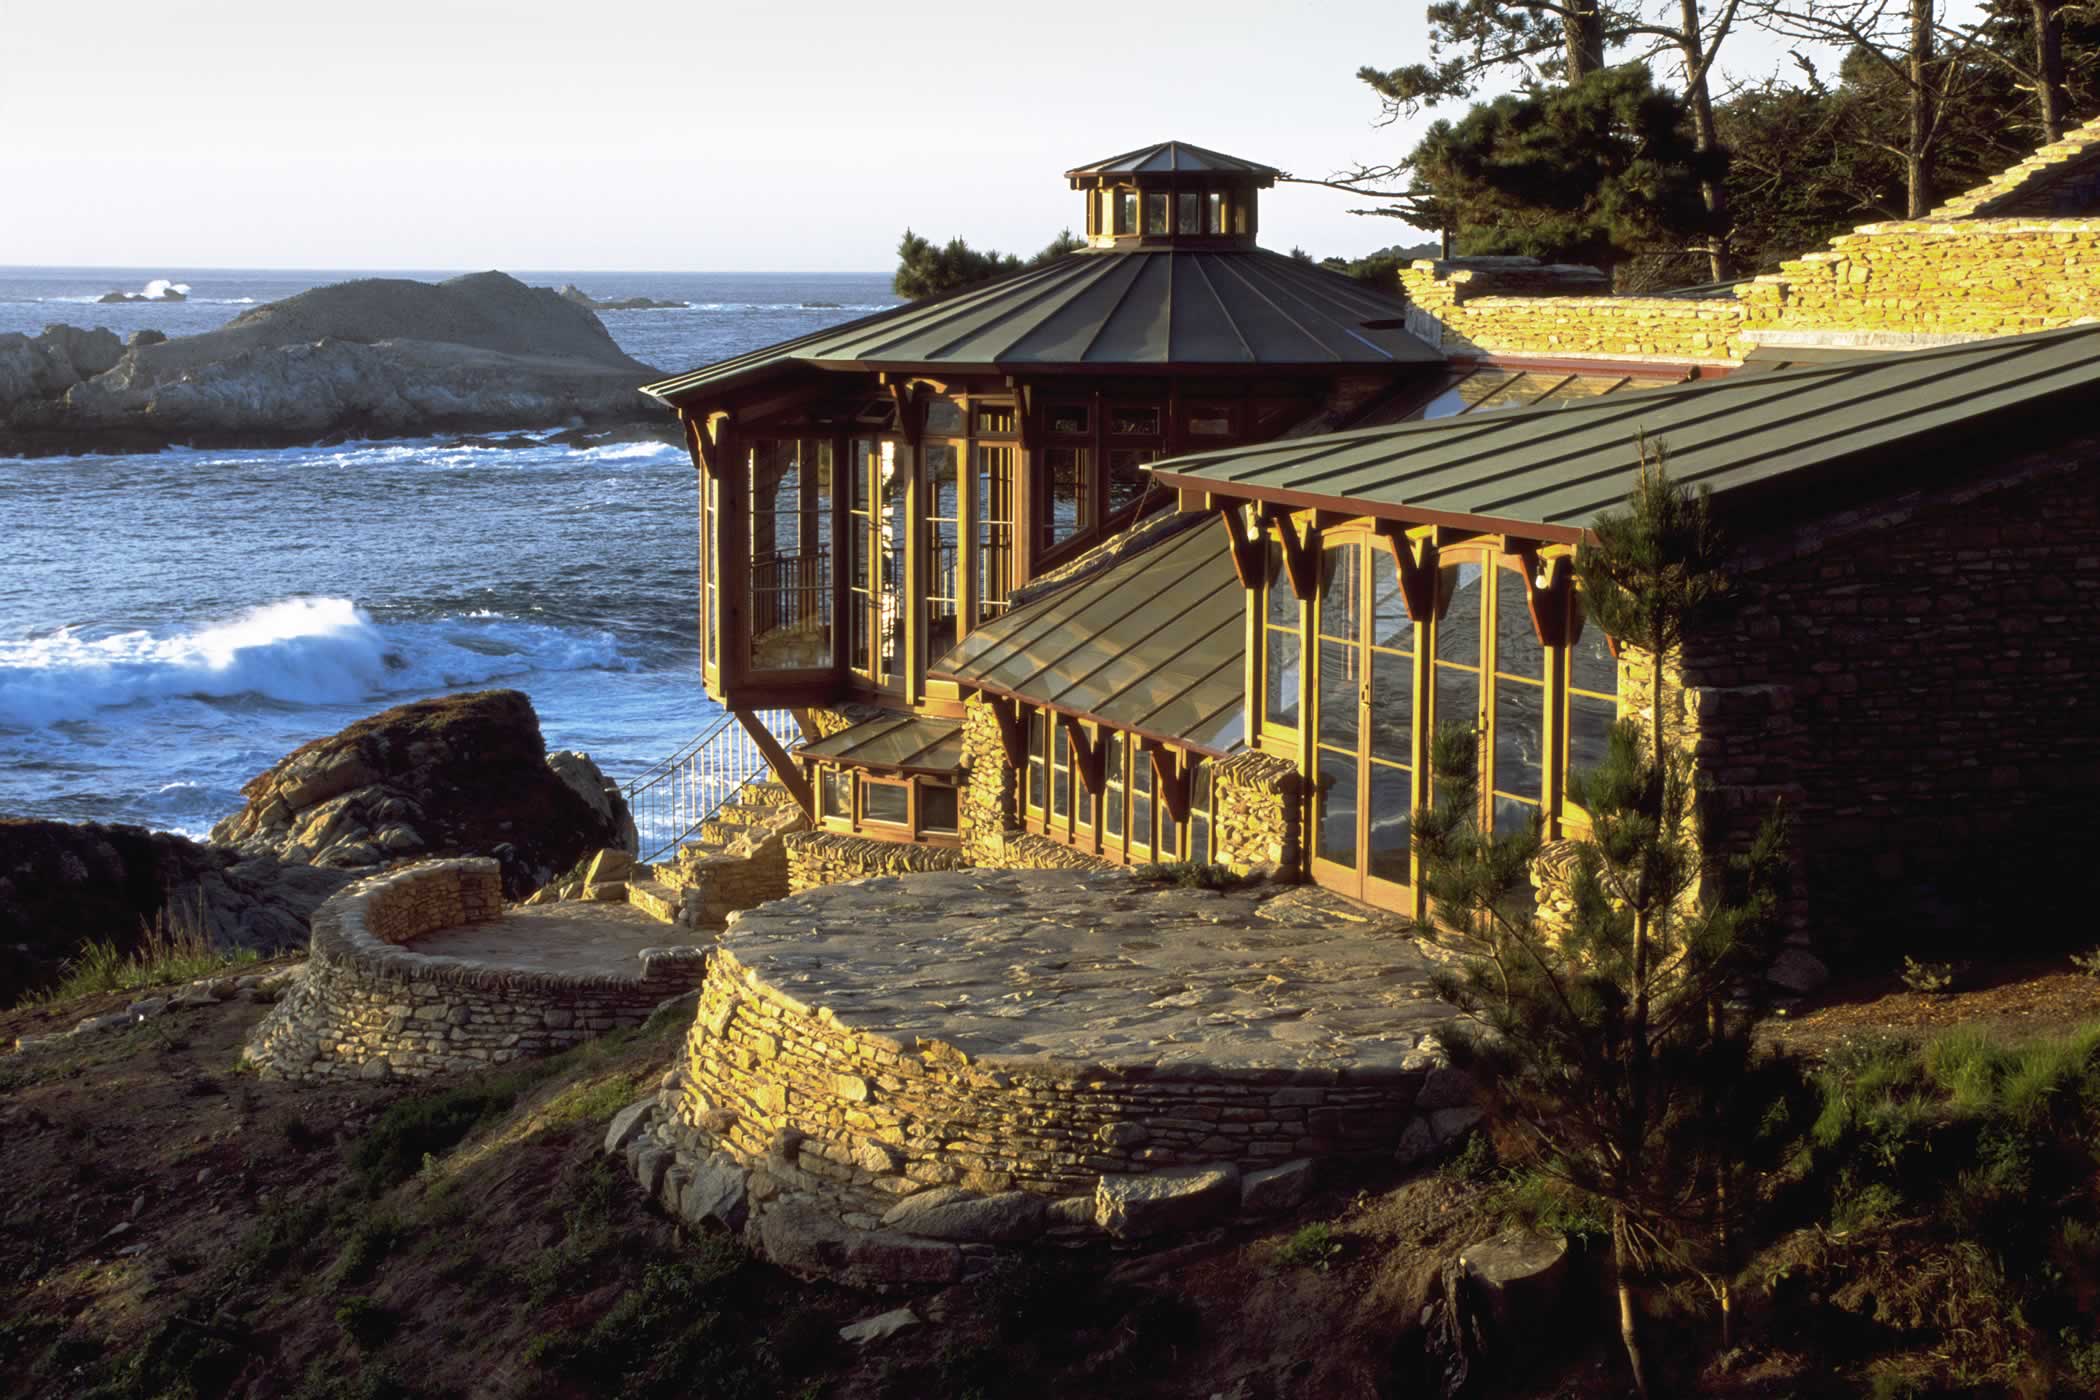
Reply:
x=673, y=801
x=727, y=853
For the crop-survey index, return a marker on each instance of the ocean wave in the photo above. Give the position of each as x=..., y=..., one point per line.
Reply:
x=301, y=651
x=786, y=306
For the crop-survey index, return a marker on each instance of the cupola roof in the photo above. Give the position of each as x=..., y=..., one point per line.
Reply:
x=1175, y=158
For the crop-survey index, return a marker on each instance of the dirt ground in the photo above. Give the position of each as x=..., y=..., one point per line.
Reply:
x=2015, y=999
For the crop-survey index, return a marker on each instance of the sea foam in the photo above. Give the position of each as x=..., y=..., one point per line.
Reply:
x=306, y=651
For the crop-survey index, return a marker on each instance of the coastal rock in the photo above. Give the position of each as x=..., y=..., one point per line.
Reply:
x=574, y=293
x=377, y=357
x=457, y=775
x=1152, y=1203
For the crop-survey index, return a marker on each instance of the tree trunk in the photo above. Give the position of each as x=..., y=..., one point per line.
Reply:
x=2049, y=65
x=1917, y=164
x=1629, y=1331
x=1583, y=28
x=1713, y=188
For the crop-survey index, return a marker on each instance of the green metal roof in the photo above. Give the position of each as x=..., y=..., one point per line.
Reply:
x=901, y=743
x=1174, y=158
x=1149, y=308
x=1153, y=645
x=1559, y=465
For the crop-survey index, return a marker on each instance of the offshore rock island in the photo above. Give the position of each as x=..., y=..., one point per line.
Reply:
x=377, y=357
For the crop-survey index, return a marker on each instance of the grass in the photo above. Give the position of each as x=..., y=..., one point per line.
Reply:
x=1313, y=1246
x=173, y=948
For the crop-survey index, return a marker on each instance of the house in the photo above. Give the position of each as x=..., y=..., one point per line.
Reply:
x=1178, y=549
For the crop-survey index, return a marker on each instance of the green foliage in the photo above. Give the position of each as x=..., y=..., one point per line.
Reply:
x=2087, y=962
x=1194, y=875
x=174, y=948
x=1475, y=1161
x=1592, y=173
x=368, y=1325
x=927, y=269
x=1543, y=1201
x=1313, y=1246
x=1928, y=978
x=432, y=1123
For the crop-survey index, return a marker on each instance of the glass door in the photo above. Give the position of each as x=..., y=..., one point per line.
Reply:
x=1364, y=743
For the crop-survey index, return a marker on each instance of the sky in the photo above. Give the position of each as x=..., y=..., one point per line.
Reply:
x=702, y=135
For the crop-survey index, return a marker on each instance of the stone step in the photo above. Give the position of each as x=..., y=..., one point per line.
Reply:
x=653, y=899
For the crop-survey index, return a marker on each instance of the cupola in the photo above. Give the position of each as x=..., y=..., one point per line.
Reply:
x=1172, y=195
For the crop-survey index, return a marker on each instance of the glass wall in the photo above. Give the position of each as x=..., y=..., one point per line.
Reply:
x=875, y=580
x=790, y=483
x=1136, y=822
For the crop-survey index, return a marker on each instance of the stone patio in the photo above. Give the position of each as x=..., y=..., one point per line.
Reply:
x=603, y=939
x=1102, y=968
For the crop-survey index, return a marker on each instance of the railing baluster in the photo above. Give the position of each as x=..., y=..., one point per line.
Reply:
x=678, y=796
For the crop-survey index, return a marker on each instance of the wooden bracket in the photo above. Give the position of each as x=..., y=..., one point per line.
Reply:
x=1416, y=561
x=784, y=768
x=1246, y=553
x=907, y=421
x=1549, y=592
x=1301, y=560
x=695, y=440
x=1171, y=772
x=1013, y=728
x=1091, y=754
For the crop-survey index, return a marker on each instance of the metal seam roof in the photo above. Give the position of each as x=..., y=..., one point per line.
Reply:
x=1153, y=644
x=1562, y=464
x=1117, y=308
x=1179, y=157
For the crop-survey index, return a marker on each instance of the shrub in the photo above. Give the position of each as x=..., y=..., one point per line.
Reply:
x=1927, y=978
x=175, y=947
x=2087, y=962
x=1314, y=1246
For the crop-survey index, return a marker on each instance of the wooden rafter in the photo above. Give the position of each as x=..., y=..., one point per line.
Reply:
x=1415, y=558
x=1301, y=560
x=784, y=768
x=1246, y=553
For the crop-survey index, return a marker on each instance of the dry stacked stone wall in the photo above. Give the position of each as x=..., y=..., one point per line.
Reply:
x=369, y=1008
x=833, y=857
x=1257, y=816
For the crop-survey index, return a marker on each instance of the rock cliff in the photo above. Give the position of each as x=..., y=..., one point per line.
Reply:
x=383, y=357
x=457, y=775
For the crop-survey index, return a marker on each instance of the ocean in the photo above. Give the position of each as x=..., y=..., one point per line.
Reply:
x=173, y=623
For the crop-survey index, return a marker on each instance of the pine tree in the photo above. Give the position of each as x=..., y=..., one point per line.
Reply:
x=1620, y=1039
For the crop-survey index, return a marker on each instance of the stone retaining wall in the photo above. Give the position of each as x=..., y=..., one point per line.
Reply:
x=849, y=1154
x=1257, y=815
x=368, y=1008
x=831, y=857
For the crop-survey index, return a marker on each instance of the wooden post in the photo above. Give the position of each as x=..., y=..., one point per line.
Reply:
x=784, y=768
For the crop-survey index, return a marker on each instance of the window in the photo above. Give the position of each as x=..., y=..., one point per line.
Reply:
x=791, y=485
x=995, y=420
x=1593, y=700
x=1134, y=420
x=1069, y=420
x=1155, y=212
x=711, y=570
x=1214, y=212
x=937, y=809
x=944, y=418
x=1188, y=216
x=1210, y=420
x=943, y=544
x=875, y=568
x=1126, y=211
x=835, y=793
x=1140, y=801
x=1128, y=481
x=995, y=529
x=1038, y=741
x=1519, y=722
x=1065, y=472
x=1082, y=795
x=1199, y=810
x=1112, y=772
x=1281, y=646
x=885, y=802
x=1060, y=772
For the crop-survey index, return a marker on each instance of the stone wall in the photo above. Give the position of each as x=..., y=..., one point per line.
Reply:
x=832, y=857
x=1892, y=285
x=1257, y=814
x=1912, y=678
x=368, y=1008
x=991, y=787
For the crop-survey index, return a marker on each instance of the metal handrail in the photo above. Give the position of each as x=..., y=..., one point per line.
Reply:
x=675, y=798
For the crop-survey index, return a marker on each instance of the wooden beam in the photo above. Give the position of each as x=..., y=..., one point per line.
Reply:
x=1092, y=754
x=1013, y=728
x=784, y=768
x=1171, y=773
x=1301, y=561
x=1246, y=553
x=1415, y=558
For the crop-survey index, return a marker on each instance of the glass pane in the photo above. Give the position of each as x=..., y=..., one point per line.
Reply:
x=1188, y=212
x=1036, y=739
x=1214, y=213
x=995, y=530
x=1517, y=648
x=1338, y=606
x=1520, y=738
x=1134, y=420
x=1068, y=418
x=936, y=808
x=1280, y=682
x=1392, y=822
x=1457, y=698
x=1590, y=664
x=1334, y=808
x=1390, y=624
x=1066, y=471
x=1341, y=678
x=1392, y=707
x=1126, y=211
x=885, y=802
x=1127, y=478
x=995, y=420
x=1060, y=771
x=1239, y=213
x=1512, y=817
x=1112, y=772
x=1156, y=212
x=837, y=790
x=1140, y=799
x=1589, y=731
x=1458, y=613
x=944, y=418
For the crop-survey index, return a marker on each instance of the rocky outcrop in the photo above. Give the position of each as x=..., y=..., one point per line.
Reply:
x=572, y=292
x=456, y=775
x=378, y=357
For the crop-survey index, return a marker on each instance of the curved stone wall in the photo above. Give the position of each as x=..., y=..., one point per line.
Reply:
x=881, y=1157
x=370, y=1008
